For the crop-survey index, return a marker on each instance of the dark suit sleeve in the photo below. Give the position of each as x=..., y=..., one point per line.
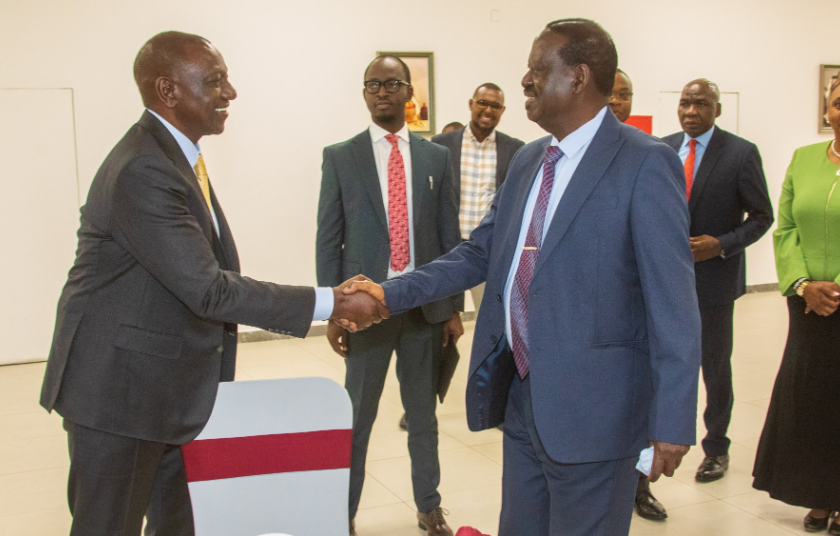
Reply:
x=449, y=227
x=752, y=192
x=659, y=222
x=151, y=220
x=330, y=237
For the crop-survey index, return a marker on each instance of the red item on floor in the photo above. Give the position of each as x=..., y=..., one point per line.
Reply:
x=469, y=531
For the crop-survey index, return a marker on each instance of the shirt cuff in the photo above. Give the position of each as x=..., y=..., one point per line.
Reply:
x=324, y=302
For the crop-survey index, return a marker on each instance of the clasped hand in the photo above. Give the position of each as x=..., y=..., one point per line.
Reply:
x=353, y=310
x=822, y=297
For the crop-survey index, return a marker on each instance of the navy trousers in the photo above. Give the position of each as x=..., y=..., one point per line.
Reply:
x=541, y=497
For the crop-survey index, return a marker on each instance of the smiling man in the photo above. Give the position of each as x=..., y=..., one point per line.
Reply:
x=724, y=182
x=387, y=207
x=146, y=325
x=588, y=347
x=480, y=159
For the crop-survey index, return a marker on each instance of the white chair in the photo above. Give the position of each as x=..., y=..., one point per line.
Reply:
x=274, y=458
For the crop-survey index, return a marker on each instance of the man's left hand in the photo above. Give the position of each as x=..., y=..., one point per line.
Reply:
x=666, y=459
x=705, y=247
x=452, y=330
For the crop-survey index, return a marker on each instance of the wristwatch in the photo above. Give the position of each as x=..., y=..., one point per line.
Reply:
x=800, y=288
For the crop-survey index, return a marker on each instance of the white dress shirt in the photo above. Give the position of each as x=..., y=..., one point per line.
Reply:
x=324, y=299
x=381, y=153
x=574, y=147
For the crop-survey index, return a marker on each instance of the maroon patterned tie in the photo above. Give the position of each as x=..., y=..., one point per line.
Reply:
x=397, y=207
x=527, y=262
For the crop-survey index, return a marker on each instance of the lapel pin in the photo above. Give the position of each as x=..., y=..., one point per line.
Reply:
x=431, y=183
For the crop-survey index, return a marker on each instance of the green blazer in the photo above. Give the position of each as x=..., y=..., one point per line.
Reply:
x=807, y=240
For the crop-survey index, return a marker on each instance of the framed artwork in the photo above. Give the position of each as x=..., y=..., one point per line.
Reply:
x=420, y=111
x=828, y=74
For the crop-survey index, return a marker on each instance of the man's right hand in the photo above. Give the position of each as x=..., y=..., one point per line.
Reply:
x=822, y=297
x=357, y=311
x=367, y=286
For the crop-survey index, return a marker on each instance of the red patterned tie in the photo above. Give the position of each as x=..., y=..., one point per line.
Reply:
x=527, y=262
x=397, y=207
x=689, y=167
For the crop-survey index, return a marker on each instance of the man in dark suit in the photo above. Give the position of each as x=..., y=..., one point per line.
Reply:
x=480, y=158
x=589, y=345
x=146, y=324
x=388, y=206
x=724, y=182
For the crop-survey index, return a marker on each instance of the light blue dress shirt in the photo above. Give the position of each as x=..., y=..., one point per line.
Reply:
x=324, y=299
x=699, y=149
x=574, y=147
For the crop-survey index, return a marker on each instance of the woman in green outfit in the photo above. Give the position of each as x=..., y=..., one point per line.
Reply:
x=798, y=459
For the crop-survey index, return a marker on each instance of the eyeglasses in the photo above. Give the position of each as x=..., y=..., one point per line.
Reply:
x=484, y=104
x=624, y=95
x=391, y=86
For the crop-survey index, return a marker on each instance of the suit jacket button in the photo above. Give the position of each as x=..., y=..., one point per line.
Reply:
x=493, y=339
x=220, y=348
x=498, y=297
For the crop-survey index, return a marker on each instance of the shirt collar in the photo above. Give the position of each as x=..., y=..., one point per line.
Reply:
x=581, y=137
x=702, y=139
x=489, y=139
x=191, y=150
x=377, y=133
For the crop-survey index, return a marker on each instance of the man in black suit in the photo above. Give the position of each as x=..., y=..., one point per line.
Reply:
x=146, y=324
x=480, y=158
x=388, y=205
x=724, y=182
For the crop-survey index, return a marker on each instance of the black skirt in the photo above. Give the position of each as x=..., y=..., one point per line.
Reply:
x=798, y=459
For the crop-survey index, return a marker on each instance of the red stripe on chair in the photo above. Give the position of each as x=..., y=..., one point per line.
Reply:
x=233, y=457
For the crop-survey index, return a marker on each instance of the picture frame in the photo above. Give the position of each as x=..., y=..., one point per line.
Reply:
x=828, y=74
x=420, y=111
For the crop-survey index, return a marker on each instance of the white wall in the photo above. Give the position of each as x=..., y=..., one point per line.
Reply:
x=298, y=68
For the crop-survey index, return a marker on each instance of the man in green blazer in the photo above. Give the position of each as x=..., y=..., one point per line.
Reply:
x=388, y=205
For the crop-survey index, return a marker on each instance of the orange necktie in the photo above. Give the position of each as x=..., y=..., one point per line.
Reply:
x=689, y=167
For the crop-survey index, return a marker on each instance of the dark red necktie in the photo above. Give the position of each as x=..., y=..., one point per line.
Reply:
x=397, y=207
x=527, y=263
x=689, y=167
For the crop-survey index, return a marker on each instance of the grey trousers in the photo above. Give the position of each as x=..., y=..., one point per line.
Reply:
x=418, y=346
x=115, y=481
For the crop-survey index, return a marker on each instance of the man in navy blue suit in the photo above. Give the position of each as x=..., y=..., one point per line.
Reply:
x=587, y=345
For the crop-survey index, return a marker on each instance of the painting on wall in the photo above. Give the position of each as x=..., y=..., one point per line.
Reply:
x=828, y=75
x=420, y=110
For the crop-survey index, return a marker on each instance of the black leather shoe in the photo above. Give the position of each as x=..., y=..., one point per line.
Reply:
x=712, y=468
x=815, y=524
x=648, y=507
x=403, y=424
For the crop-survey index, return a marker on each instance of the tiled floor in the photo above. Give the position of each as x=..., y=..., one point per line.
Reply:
x=33, y=457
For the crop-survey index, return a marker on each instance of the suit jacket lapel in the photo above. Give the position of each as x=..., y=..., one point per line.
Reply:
x=362, y=150
x=520, y=195
x=224, y=240
x=173, y=151
x=455, y=158
x=419, y=180
x=598, y=157
x=710, y=156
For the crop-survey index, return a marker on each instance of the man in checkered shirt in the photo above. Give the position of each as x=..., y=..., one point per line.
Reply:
x=480, y=158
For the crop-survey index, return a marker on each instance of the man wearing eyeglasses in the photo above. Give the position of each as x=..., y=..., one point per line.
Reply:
x=480, y=159
x=621, y=100
x=388, y=205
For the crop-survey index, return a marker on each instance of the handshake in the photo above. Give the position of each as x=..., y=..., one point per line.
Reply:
x=359, y=303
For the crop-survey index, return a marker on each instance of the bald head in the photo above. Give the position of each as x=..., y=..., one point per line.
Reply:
x=164, y=55
x=699, y=106
x=705, y=84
